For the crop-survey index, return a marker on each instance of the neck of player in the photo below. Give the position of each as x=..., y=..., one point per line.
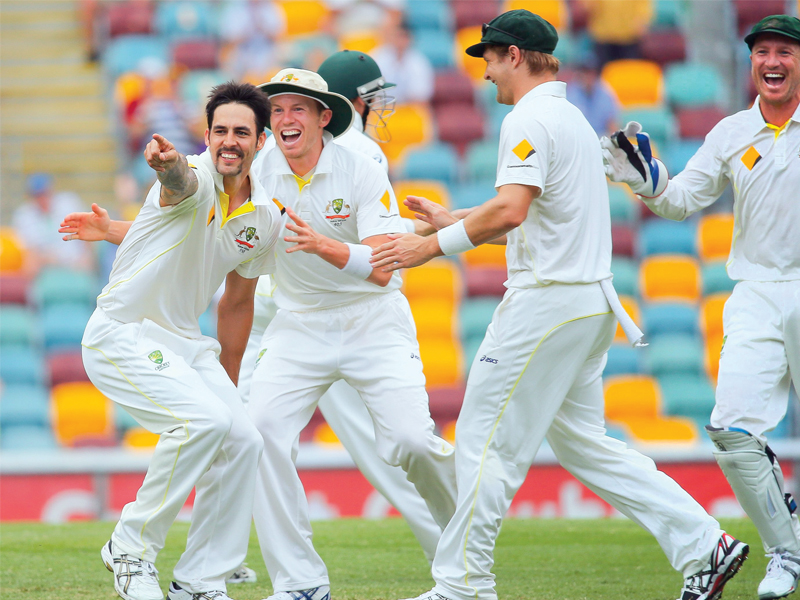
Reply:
x=238, y=189
x=778, y=114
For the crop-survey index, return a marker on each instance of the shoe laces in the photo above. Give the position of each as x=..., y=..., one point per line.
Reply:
x=775, y=566
x=211, y=595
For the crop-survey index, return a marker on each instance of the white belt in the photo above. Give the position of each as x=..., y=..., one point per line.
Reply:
x=632, y=332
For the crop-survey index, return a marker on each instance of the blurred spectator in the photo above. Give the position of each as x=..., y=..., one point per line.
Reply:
x=36, y=223
x=616, y=26
x=349, y=16
x=249, y=29
x=593, y=96
x=404, y=65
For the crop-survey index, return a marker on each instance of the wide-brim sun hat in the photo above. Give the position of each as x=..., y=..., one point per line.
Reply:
x=312, y=85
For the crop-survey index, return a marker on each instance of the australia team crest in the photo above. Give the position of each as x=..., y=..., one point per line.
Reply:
x=246, y=239
x=337, y=211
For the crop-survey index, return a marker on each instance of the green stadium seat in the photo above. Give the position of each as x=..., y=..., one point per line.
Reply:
x=470, y=351
x=661, y=318
x=24, y=404
x=693, y=84
x=123, y=419
x=434, y=161
x=22, y=365
x=715, y=278
x=678, y=154
x=28, y=437
x=626, y=276
x=475, y=315
x=429, y=14
x=622, y=359
x=63, y=286
x=17, y=325
x=668, y=14
x=660, y=236
x=126, y=52
x=184, y=19
x=675, y=353
x=624, y=208
x=468, y=195
x=194, y=86
x=437, y=46
x=482, y=161
x=658, y=122
x=687, y=395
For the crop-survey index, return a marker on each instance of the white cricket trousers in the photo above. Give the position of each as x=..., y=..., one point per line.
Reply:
x=346, y=413
x=372, y=345
x=536, y=374
x=760, y=357
x=175, y=387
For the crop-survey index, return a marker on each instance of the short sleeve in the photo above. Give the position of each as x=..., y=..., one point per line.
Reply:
x=264, y=262
x=524, y=148
x=376, y=206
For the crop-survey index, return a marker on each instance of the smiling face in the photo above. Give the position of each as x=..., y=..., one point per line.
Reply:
x=297, y=122
x=499, y=72
x=233, y=140
x=775, y=61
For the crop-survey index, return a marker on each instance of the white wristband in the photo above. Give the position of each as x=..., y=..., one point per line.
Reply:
x=453, y=239
x=358, y=264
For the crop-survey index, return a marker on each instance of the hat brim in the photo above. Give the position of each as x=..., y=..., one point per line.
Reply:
x=343, y=111
x=477, y=50
x=750, y=38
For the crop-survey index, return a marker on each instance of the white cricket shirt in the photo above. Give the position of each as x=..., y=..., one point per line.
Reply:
x=566, y=237
x=348, y=199
x=763, y=164
x=174, y=258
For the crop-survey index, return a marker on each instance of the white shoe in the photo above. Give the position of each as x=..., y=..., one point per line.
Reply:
x=726, y=560
x=783, y=571
x=429, y=596
x=176, y=592
x=134, y=579
x=322, y=592
x=243, y=574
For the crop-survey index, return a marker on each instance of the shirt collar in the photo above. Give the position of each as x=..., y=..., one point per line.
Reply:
x=756, y=120
x=257, y=193
x=278, y=164
x=549, y=88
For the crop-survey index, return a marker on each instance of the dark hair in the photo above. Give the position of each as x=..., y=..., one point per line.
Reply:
x=537, y=62
x=240, y=93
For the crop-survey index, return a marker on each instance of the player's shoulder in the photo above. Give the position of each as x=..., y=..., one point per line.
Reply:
x=356, y=162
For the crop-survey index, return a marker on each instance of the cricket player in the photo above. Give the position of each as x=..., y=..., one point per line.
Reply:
x=538, y=371
x=337, y=319
x=758, y=152
x=204, y=221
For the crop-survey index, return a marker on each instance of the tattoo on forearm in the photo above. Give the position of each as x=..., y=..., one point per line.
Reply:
x=179, y=182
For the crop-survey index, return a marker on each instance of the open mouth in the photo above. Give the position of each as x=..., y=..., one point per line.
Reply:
x=290, y=136
x=228, y=156
x=774, y=80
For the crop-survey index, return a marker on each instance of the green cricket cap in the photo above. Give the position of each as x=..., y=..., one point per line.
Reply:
x=352, y=74
x=780, y=24
x=520, y=28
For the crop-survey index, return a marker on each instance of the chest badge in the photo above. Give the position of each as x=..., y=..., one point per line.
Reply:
x=246, y=239
x=337, y=211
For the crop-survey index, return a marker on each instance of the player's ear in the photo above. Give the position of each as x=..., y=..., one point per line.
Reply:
x=206, y=138
x=262, y=139
x=326, y=117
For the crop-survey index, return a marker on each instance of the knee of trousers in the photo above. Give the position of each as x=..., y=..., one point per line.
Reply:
x=404, y=448
x=214, y=426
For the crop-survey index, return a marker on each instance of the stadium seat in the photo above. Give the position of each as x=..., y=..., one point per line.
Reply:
x=410, y=125
x=471, y=194
x=668, y=14
x=750, y=12
x=435, y=191
x=466, y=37
x=494, y=123
x=677, y=154
x=208, y=322
x=14, y=289
x=362, y=41
x=669, y=277
x=622, y=359
x=485, y=281
x=307, y=435
x=693, y=84
x=636, y=82
x=663, y=430
x=123, y=420
x=657, y=121
x=482, y=161
x=715, y=278
x=448, y=431
x=435, y=161
x=475, y=315
x=304, y=16
x=59, y=286
x=442, y=362
x=459, y=124
x=711, y=315
x=195, y=54
x=434, y=317
x=445, y=402
x=452, y=86
x=65, y=367
x=632, y=308
x=632, y=396
x=129, y=17
x=622, y=203
x=12, y=254
x=623, y=240
x=80, y=410
x=687, y=395
x=24, y=404
x=712, y=349
x=17, y=325
x=472, y=13
x=626, y=276
x=674, y=353
x=126, y=52
x=695, y=123
x=486, y=255
x=663, y=318
x=63, y=325
x=21, y=364
x=471, y=348
x=324, y=434
x=429, y=14
x=663, y=46
x=554, y=12
x=715, y=236
x=437, y=46
x=185, y=19
x=439, y=279
x=660, y=236
x=138, y=438
x=27, y=438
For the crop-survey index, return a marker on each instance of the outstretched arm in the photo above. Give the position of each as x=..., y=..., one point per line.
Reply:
x=94, y=226
x=431, y=217
x=178, y=180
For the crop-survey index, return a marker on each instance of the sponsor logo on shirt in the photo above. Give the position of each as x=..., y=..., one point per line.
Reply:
x=337, y=211
x=750, y=158
x=158, y=358
x=524, y=150
x=280, y=206
x=415, y=356
x=487, y=359
x=246, y=239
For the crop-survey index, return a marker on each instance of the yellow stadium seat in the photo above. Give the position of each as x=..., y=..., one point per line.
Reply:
x=438, y=279
x=472, y=66
x=632, y=308
x=714, y=236
x=636, y=82
x=713, y=349
x=670, y=277
x=663, y=429
x=323, y=434
x=486, y=255
x=632, y=397
x=711, y=314
x=442, y=361
x=449, y=432
x=80, y=410
x=554, y=12
x=129, y=87
x=304, y=16
x=434, y=318
x=361, y=41
x=138, y=438
x=12, y=255
x=435, y=191
x=411, y=124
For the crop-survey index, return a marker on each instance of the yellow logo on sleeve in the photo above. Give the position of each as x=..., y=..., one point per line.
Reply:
x=279, y=205
x=524, y=150
x=751, y=158
x=386, y=200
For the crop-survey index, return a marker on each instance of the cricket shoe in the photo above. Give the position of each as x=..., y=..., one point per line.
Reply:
x=725, y=562
x=783, y=571
x=176, y=592
x=243, y=574
x=134, y=579
x=322, y=592
x=429, y=596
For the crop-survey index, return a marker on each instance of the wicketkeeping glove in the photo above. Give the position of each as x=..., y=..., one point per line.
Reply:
x=636, y=166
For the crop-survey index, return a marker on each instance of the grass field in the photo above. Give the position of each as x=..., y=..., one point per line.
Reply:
x=535, y=560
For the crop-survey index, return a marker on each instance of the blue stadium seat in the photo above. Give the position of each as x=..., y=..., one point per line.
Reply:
x=429, y=14
x=184, y=19
x=659, y=123
x=623, y=359
x=21, y=365
x=63, y=325
x=17, y=325
x=194, y=86
x=688, y=395
x=677, y=154
x=470, y=351
x=669, y=317
x=434, y=161
x=475, y=315
x=660, y=236
x=626, y=276
x=668, y=14
x=624, y=208
x=467, y=195
x=675, y=353
x=28, y=437
x=123, y=419
x=715, y=278
x=24, y=404
x=64, y=286
x=126, y=52
x=482, y=161
x=437, y=46
x=693, y=84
